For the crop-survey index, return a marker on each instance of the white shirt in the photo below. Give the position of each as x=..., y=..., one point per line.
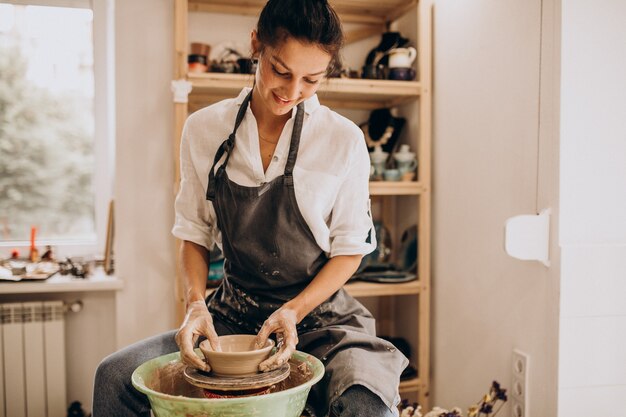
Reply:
x=330, y=175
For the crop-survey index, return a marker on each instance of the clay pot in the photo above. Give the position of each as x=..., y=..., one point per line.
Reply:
x=198, y=48
x=238, y=356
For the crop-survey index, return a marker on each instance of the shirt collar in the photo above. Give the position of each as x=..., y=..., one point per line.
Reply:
x=310, y=104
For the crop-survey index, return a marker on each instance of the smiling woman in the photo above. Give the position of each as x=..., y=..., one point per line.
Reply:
x=256, y=158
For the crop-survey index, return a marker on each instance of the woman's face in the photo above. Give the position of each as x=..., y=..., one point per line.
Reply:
x=289, y=74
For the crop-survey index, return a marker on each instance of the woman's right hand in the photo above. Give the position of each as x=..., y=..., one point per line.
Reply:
x=198, y=322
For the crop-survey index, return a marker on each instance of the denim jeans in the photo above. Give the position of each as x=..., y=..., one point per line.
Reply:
x=115, y=396
x=358, y=401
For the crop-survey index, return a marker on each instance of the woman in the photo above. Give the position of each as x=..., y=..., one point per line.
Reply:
x=288, y=203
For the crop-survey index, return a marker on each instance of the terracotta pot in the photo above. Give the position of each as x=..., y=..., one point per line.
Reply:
x=198, y=48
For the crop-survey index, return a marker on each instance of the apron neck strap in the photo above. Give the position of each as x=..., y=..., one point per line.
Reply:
x=242, y=112
x=226, y=147
x=295, y=142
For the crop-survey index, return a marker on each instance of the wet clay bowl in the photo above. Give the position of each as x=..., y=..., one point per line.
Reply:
x=174, y=397
x=238, y=356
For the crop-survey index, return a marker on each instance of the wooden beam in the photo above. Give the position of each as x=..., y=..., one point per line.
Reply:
x=180, y=39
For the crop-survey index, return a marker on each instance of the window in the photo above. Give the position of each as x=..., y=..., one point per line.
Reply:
x=56, y=118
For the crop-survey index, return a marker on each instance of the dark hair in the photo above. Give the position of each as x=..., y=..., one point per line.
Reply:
x=312, y=21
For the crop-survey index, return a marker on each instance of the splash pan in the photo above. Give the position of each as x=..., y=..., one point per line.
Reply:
x=170, y=395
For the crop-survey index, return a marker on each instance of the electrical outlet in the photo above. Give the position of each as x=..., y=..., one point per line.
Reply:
x=517, y=410
x=518, y=393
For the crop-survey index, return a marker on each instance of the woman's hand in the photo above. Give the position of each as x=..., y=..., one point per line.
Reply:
x=198, y=322
x=282, y=322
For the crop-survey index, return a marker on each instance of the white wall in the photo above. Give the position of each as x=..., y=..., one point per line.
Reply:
x=144, y=247
x=489, y=165
x=592, y=362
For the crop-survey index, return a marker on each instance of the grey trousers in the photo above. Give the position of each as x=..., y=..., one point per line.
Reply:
x=115, y=396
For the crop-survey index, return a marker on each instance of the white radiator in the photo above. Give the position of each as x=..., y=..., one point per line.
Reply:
x=32, y=362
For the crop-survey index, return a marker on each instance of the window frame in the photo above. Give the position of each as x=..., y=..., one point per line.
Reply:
x=104, y=128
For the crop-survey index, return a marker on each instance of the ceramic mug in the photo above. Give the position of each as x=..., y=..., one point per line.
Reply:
x=402, y=57
x=246, y=65
x=403, y=74
x=373, y=72
x=392, y=175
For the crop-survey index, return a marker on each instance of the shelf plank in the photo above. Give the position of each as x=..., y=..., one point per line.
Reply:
x=210, y=87
x=373, y=289
x=410, y=385
x=396, y=188
x=353, y=11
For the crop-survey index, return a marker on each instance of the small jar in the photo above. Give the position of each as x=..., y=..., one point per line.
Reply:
x=197, y=63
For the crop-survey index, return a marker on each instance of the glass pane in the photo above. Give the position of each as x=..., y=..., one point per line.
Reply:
x=46, y=123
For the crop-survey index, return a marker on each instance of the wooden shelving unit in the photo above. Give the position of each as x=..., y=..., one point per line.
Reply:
x=373, y=18
x=334, y=92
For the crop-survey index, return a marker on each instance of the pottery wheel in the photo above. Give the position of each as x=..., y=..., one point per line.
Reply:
x=211, y=381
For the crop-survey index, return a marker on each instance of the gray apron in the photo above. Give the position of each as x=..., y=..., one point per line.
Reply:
x=270, y=256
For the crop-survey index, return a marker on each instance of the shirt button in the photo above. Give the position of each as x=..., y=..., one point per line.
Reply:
x=275, y=158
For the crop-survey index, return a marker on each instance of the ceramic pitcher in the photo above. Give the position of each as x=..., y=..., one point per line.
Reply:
x=402, y=57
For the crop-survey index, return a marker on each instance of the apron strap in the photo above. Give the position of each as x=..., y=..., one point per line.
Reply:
x=226, y=148
x=293, y=147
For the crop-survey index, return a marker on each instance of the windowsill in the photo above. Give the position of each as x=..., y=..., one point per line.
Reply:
x=58, y=283
x=62, y=248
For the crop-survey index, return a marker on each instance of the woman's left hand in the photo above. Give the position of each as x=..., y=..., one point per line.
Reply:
x=282, y=322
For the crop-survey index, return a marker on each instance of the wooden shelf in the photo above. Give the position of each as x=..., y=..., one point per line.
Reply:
x=410, y=385
x=396, y=188
x=373, y=289
x=354, y=11
x=210, y=87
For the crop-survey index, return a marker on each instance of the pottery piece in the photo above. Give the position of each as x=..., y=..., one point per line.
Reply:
x=373, y=72
x=392, y=175
x=199, y=48
x=402, y=74
x=238, y=355
x=402, y=57
x=378, y=159
x=405, y=160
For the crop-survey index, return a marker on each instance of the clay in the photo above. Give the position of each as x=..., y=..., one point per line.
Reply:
x=238, y=357
x=300, y=373
x=170, y=380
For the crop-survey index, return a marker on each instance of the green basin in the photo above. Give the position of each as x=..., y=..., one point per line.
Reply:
x=287, y=403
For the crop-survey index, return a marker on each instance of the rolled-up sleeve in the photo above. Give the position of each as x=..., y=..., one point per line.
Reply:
x=351, y=227
x=195, y=218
